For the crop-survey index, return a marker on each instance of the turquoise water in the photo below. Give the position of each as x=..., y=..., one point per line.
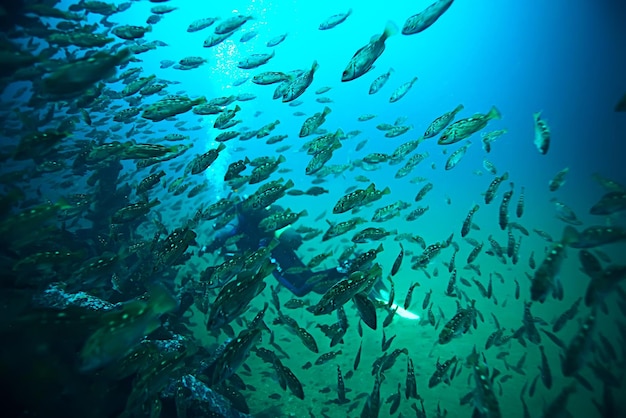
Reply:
x=564, y=59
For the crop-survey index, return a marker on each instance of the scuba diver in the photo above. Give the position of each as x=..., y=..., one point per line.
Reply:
x=290, y=271
x=302, y=281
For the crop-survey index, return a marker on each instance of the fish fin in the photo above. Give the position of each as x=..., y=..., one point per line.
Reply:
x=390, y=30
x=570, y=235
x=494, y=113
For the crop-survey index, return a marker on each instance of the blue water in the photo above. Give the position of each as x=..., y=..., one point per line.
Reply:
x=565, y=59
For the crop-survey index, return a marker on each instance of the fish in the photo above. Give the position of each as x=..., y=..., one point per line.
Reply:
x=546, y=374
x=371, y=234
x=397, y=262
x=263, y=171
x=423, y=191
x=489, y=166
x=519, y=209
x=397, y=131
x=366, y=309
x=99, y=66
x=334, y=20
x=542, y=134
x=235, y=168
x=409, y=295
x=595, y=236
x=124, y=328
x=281, y=219
x=341, y=389
x=410, y=387
x=474, y=253
x=318, y=259
x=458, y=325
x=569, y=314
x=451, y=288
x=464, y=128
x=287, y=378
x=199, y=24
x=556, y=340
x=533, y=386
x=603, y=282
x=312, y=123
x=456, y=156
x=357, y=358
x=426, y=300
x=326, y=357
x=395, y=401
x=364, y=259
x=490, y=194
x=247, y=36
x=133, y=211
x=270, y=77
x=363, y=59
x=255, y=60
x=341, y=228
x=225, y=117
x=580, y=346
x=401, y=91
x=231, y=24
x=558, y=407
x=168, y=107
x=441, y=122
x=354, y=199
x=441, y=372
x=130, y=32
x=529, y=327
x=558, y=180
x=503, y=214
x=386, y=343
x=376, y=85
x=610, y=203
x=341, y=292
x=296, y=87
x=234, y=297
x=388, y=212
x=424, y=19
x=545, y=277
x=417, y=213
x=485, y=401
x=201, y=162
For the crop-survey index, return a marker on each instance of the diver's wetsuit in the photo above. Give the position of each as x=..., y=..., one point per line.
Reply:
x=283, y=255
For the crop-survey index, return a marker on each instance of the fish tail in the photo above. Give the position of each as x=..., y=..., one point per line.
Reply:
x=494, y=113
x=458, y=109
x=570, y=235
x=390, y=30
